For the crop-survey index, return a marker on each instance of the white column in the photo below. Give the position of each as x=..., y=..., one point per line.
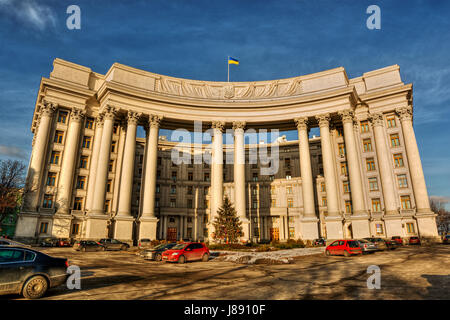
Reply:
x=98, y=203
x=384, y=164
x=217, y=194
x=94, y=161
x=65, y=184
x=40, y=141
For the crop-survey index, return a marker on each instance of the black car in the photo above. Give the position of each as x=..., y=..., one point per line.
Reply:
x=156, y=252
x=113, y=244
x=88, y=245
x=446, y=239
x=320, y=242
x=29, y=272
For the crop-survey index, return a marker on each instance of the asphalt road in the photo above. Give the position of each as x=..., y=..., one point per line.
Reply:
x=406, y=273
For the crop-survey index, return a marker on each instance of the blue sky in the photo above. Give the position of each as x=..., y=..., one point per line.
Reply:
x=272, y=39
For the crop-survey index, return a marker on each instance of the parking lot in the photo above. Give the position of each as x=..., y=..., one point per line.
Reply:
x=406, y=273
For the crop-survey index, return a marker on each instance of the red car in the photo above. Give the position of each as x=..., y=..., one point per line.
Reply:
x=397, y=239
x=183, y=252
x=343, y=247
x=414, y=240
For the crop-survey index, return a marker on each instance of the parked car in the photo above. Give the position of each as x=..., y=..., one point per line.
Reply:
x=414, y=240
x=397, y=239
x=343, y=247
x=367, y=246
x=29, y=272
x=446, y=239
x=156, y=252
x=48, y=242
x=113, y=244
x=320, y=242
x=381, y=243
x=88, y=245
x=392, y=244
x=144, y=243
x=8, y=242
x=183, y=252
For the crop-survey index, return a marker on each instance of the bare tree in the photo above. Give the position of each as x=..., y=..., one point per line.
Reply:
x=12, y=178
x=443, y=216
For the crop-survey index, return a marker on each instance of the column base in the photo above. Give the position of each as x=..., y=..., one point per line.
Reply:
x=393, y=226
x=426, y=223
x=123, y=228
x=147, y=228
x=309, y=228
x=333, y=227
x=61, y=225
x=360, y=227
x=245, y=229
x=26, y=225
x=96, y=226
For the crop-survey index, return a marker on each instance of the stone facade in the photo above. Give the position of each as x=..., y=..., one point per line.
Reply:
x=90, y=177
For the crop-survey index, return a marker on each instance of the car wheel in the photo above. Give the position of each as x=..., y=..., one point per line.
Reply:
x=158, y=257
x=35, y=287
x=182, y=259
x=346, y=254
x=83, y=249
x=124, y=247
x=205, y=257
x=327, y=253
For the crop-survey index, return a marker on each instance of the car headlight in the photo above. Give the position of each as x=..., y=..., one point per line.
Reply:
x=175, y=253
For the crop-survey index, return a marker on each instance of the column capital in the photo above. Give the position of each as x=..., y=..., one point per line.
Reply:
x=133, y=117
x=346, y=116
x=100, y=120
x=324, y=120
x=77, y=115
x=218, y=125
x=301, y=123
x=109, y=112
x=154, y=120
x=239, y=125
x=48, y=108
x=404, y=113
x=376, y=119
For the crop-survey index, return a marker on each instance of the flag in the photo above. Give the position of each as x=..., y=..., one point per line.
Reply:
x=233, y=61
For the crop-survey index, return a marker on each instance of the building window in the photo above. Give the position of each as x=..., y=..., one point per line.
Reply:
x=274, y=219
x=398, y=160
x=289, y=189
x=273, y=203
x=107, y=203
x=115, y=128
x=291, y=232
x=290, y=203
x=390, y=119
x=189, y=219
x=59, y=135
x=402, y=181
x=370, y=164
x=255, y=176
x=373, y=184
x=55, y=157
x=287, y=163
x=141, y=158
x=367, y=144
x=379, y=228
x=348, y=206
x=273, y=190
x=406, y=202
x=376, y=205
x=48, y=201
x=291, y=220
x=81, y=182
x=173, y=203
x=254, y=191
x=346, y=186
x=77, y=204
x=159, y=161
x=255, y=204
x=205, y=190
x=324, y=202
x=189, y=204
x=341, y=147
x=173, y=189
x=190, y=176
x=395, y=140
x=322, y=187
x=364, y=126
x=156, y=202
x=113, y=146
x=89, y=123
x=108, y=185
x=75, y=228
x=344, y=168
x=189, y=190
x=410, y=227
x=158, y=173
x=83, y=162
x=206, y=177
x=51, y=179
x=174, y=176
x=62, y=117
x=339, y=131
x=288, y=175
x=256, y=232
x=87, y=142
x=43, y=228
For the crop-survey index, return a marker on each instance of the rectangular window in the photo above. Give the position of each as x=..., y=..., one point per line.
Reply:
x=156, y=202
x=289, y=189
x=173, y=203
x=108, y=185
x=406, y=202
x=55, y=157
x=107, y=203
x=367, y=144
x=189, y=190
x=174, y=176
x=111, y=165
x=158, y=173
x=206, y=177
x=255, y=204
x=189, y=203
x=373, y=184
x=324, y=202
x=376, y=205
x=395, y=140
x=254, y=191
x=43, y=228
x=48, y=201
x=81, y=182
x=87, y=142
x=322, y=187
x=273, y=203
x=78, y=203
x=83, y=162
x=75, y=228
x=364, y=126
x=346, y=185
x=348, y=206
x=190, y=176
x=189, y=219
x=370, y=164
x=173, y=189
x=59, y=135
x=291, y=232
x=410, y=227
x=398, y=160
x=402, y=181
x=390, y=120
x=115, y=128
x=256, y=232
x=255, y=176
x=339, y=131
x=379, y=228
x=51, y=179
x=290, y=203
x=291, y=220
x=62, y=116
x=113, y=146
x=287, y=163
x=344, y=168
x=89, y=123
x=341, y=147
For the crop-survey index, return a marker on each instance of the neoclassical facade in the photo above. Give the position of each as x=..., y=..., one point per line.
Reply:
x=90, y=175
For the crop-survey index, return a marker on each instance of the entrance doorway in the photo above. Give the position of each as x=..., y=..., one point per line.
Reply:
x=274, y=234
x=171, y=234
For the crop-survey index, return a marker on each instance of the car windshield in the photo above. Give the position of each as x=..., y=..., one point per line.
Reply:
x=160, y=246
x=353, y=244
x=179, y=246
x=363, y=241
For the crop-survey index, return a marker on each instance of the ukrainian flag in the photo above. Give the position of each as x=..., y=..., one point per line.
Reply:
x=233, y=61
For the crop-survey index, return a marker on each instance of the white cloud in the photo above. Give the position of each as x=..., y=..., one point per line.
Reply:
x=30, y=12
x=13, y=152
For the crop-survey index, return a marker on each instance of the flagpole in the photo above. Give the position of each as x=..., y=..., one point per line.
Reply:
x=228, y=63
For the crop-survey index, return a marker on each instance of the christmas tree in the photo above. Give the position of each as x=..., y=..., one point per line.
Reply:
x=228, y=227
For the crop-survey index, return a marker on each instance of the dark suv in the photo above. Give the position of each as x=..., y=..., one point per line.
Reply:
x=88, y=245
x=113, y=244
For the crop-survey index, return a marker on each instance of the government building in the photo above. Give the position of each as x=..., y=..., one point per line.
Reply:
x=91, y=176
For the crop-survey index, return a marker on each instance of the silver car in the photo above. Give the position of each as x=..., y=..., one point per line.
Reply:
x=367, y=246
